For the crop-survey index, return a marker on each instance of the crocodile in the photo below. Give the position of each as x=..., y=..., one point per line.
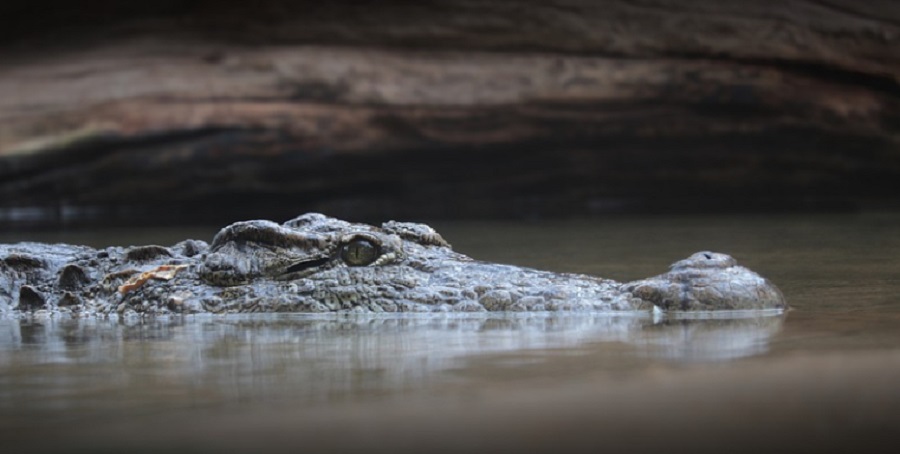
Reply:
x=316, y=263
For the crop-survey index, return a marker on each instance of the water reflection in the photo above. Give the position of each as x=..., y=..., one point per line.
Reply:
x=708, y=339
x=94, y=364
x=384, y=341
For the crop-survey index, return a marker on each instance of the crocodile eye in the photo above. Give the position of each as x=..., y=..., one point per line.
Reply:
x=359, y=252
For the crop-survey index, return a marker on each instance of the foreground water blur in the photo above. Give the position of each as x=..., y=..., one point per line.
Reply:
x=822, y=376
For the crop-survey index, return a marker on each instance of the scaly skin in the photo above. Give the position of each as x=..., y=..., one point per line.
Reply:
x=314, y=263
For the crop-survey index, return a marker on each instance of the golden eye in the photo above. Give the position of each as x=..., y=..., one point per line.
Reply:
x=359, y=252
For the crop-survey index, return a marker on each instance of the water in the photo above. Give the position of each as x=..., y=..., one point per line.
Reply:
x=825, y=376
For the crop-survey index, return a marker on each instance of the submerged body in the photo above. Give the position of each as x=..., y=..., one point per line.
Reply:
x=314, y=263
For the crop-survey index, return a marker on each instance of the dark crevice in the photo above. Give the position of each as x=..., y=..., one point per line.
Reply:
x=821, y=173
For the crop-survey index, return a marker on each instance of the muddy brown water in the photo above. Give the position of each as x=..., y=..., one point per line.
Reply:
x=823, y=377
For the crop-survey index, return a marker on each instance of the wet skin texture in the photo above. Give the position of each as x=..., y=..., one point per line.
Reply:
x=314, y=263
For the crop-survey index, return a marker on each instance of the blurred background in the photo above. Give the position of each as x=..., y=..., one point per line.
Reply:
x=183, y=112
x=769, y=130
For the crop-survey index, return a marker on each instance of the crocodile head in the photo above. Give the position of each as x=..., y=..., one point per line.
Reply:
x=315, y=263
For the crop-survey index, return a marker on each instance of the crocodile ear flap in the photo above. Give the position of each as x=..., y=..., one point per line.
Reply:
x=418, y=233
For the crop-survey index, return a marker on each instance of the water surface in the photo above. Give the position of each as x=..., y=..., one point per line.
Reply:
x=823, y=376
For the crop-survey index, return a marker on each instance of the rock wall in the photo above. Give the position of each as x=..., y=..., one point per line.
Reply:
x=205, y=110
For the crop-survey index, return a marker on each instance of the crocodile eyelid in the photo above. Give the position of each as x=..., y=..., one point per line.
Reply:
x=350, y=237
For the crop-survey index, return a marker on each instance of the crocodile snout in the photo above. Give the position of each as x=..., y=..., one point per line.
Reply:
x=708, y=281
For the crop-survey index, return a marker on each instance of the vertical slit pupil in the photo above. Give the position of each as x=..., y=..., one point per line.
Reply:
x=359, y=252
